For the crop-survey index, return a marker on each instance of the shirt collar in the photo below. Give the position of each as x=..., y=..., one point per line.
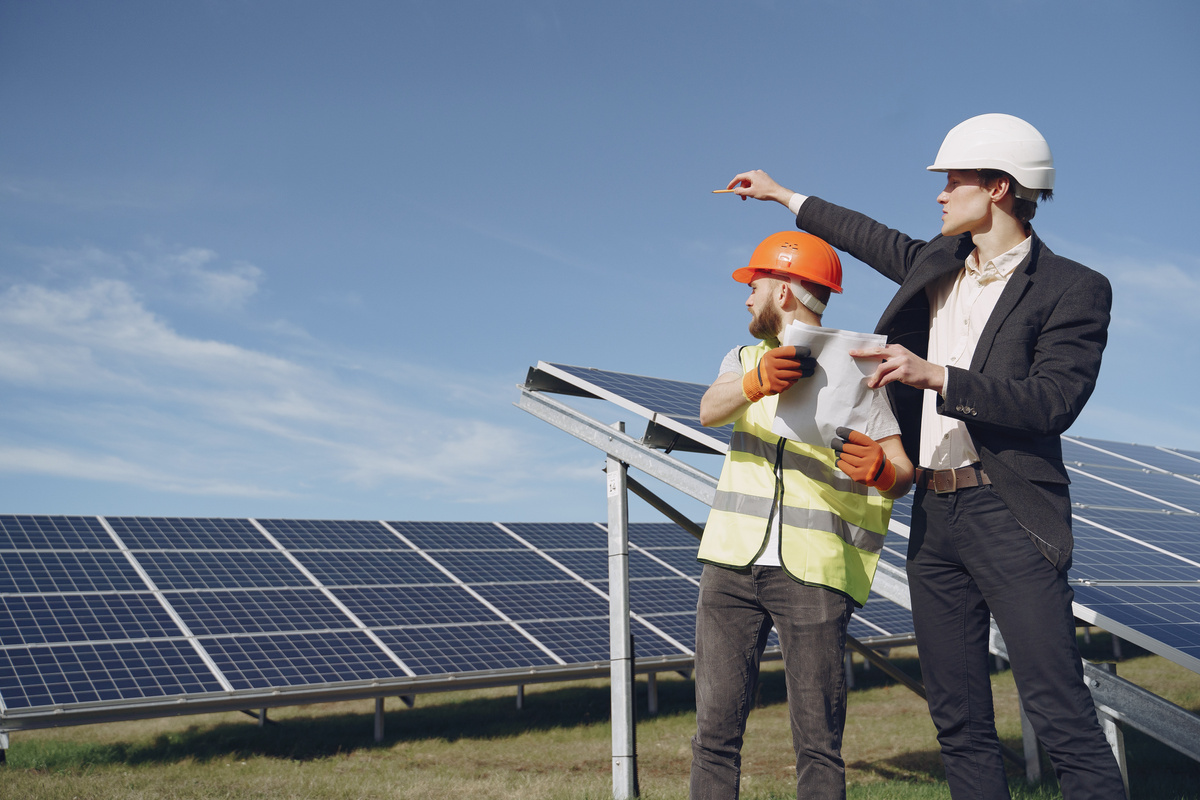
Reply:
x=1000, y=267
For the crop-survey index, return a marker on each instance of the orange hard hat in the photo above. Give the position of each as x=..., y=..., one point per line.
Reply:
x=798, y=254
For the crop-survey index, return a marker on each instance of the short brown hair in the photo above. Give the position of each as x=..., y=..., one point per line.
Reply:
x=1022, y=209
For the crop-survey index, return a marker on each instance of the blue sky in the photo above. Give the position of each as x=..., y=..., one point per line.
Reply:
x=292, y=258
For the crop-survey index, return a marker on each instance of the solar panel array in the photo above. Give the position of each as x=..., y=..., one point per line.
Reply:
x=1136, y=569
x=111, y=611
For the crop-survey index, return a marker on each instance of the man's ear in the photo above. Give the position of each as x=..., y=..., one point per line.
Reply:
x=1001, y=185
x=785, y=296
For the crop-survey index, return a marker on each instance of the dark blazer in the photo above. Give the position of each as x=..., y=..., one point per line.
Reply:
x=1034, y=368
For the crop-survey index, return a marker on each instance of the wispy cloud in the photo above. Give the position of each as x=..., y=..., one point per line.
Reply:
x=96, y=385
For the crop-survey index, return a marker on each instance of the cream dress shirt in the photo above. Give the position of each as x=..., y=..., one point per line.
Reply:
x=960, y=305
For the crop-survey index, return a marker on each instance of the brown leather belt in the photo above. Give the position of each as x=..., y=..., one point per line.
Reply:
x=944, y=481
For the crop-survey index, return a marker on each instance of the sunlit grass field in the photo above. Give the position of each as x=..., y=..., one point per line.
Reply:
x=557, y=747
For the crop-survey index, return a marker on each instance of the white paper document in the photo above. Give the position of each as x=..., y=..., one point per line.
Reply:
x=834, y=396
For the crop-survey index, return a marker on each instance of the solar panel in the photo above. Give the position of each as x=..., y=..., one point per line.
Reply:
x=1137, y=513
x=113, y=611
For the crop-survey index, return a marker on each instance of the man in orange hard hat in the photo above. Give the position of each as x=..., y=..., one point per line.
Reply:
x=994, y=348
x=793, y=535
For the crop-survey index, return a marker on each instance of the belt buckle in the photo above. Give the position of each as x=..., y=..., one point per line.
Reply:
x=945, y=481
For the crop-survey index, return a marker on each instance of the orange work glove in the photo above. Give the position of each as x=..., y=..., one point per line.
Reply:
x=862, y=458
x=777, y=370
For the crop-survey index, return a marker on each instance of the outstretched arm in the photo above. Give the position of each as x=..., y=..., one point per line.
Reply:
x=760, y=186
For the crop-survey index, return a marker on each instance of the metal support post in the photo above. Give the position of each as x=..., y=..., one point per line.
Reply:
x=262, y=718
x=378, y=719
x=520, y=696
x=1031, y=748
x=624, y=759
x=652, y=693
x=1113, y=732
x=3, y=748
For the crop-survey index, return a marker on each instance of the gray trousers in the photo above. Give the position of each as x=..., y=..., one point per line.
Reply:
x=733, y=618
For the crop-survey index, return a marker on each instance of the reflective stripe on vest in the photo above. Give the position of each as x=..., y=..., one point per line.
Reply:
x=832, y=527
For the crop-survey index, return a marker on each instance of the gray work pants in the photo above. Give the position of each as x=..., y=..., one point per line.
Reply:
x=733, y=619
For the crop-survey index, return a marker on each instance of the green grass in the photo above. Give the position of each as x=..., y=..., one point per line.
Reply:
x=477, y=744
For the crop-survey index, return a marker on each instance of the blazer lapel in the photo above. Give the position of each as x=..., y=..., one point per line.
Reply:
x=1018, y=282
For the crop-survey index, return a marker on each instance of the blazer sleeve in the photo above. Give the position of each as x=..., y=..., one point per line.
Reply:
x=889, y=252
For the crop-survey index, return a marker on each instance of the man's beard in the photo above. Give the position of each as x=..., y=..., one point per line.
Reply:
x=766, y=323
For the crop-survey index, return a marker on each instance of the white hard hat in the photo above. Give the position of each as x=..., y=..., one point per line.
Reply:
x=1003, y=142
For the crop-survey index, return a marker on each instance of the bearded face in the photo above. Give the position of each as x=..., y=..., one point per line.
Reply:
x=765, y=316
x=766, y=322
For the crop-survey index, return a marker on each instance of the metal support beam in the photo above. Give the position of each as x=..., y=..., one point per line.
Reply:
x=624, y=759
x=1113, y=733
x=1029, y=743
x=378, y=720
x=689, y=480
x=652, y=693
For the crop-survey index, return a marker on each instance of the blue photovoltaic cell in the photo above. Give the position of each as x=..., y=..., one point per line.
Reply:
x=385, y=607
x=43, y=619
x=1134, y=489
x=66, y=571
x=680, y=627
x=370, y=567
x=1100, y=555
x=660, y=534
x=641, y=565
x=680, y=558
x=302, y=534
x=895, y=550
x=880, y=617
x=499, y=566
x=215, y=569
x=560, y=535
x=265, y=662
x=1170, y=492
x=257, y=611
x=24, y=532
x=1166, y=614
x=1176, y=461
x=676, y=399
x=1087, y=494
x=463, y=648
x=722, y=434
x=662, y=595
x=175, y=533
x=545, y=601
x=87, y=673
x=457, y=536
x=1176, y=533
x=590, y=565
x=575, y=641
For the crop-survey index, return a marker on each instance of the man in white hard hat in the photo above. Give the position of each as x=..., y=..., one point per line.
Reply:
x=994, y=347
x=793, y=536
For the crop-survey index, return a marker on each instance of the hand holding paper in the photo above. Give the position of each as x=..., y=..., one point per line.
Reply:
x=837, y=393
x=777, y=371
x=862, y=458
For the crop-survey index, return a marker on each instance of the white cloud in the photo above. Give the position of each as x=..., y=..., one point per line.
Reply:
x=95, y=385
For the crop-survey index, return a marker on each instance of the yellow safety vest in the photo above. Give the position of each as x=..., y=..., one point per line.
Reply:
x=833, y=526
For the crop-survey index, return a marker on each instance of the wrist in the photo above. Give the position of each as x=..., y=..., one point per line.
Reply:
x=886, y=478
x=752, y=390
